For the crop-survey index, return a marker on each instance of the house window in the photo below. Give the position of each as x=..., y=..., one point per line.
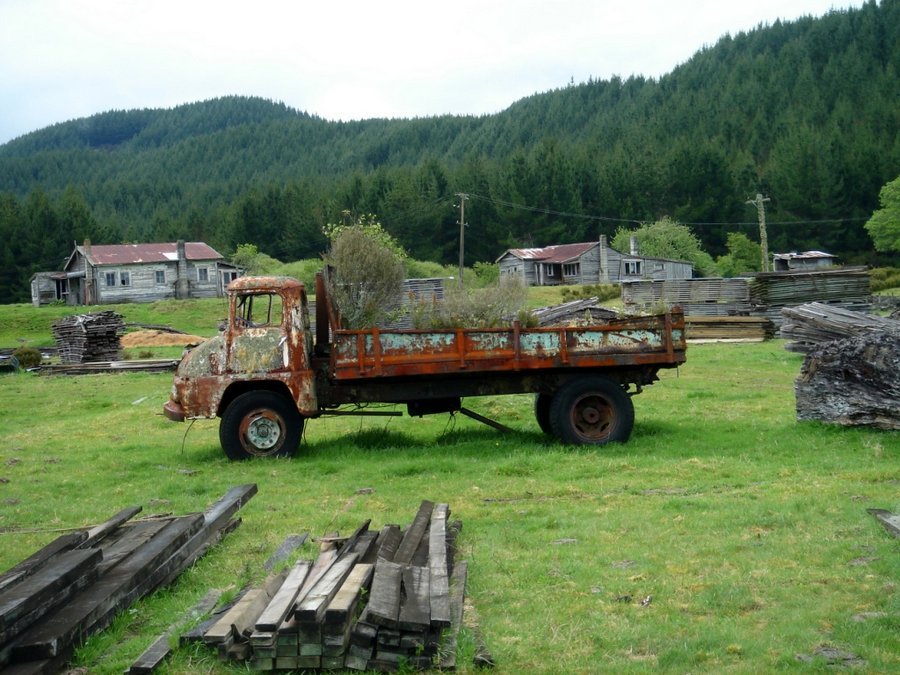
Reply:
x=548, y=270
x=160, y=276
x=202, y=274
x=125, y=278
x=110, y=278
x=572, y=270
x=633, y=268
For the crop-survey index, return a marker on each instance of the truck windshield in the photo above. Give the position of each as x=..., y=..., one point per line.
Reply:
x=258, y=310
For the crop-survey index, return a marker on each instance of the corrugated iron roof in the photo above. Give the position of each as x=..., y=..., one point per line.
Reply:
x=129, y=254
x=809, y=255
x=562, y=253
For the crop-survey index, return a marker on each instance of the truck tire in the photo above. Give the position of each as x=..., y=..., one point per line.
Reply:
x=542, y=412
x=260, y=424
x=591, y=411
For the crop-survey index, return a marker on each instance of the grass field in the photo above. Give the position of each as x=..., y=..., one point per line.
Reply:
x=747, y=530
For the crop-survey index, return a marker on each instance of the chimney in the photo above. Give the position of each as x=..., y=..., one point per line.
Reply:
x=182, y=282
x=604, y=260
x=634, y=246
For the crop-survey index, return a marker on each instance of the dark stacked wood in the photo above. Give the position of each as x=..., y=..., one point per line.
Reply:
x=75, y=586
x=381, y=600
x=815, y=323
x=82, y=338
x=854, y=381
x=576, y=312
x=728, y=328
x=845, y=287
x=697, y=297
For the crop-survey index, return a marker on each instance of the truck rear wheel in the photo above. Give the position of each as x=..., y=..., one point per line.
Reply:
x=591, y=411
x=260, y=424
x=542, y=412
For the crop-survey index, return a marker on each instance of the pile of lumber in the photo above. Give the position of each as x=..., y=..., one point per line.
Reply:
x=728, y=328
x=585, y=312
x=854, y=381
x=814, y=323
x=697, y=297
x=89, y=337
x=382, y=601
x=845, y=287
x=76, y=585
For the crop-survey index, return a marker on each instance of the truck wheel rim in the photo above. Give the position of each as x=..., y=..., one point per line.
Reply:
x=262, y=430
x=592, y=417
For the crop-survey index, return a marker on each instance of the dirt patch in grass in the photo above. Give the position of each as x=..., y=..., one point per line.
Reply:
x=158, y=338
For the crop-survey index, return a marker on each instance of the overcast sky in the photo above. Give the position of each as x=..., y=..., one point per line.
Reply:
x=344, y=59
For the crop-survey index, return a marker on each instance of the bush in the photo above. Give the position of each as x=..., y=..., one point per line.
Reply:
x=884, y=278
x=489, y=307
x=600, y=291
x=28, y=357
x=366, y=279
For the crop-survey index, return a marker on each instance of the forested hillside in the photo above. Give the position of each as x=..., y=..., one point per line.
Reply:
x=805, y=112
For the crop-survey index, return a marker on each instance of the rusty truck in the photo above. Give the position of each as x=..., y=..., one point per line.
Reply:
x=265, y=373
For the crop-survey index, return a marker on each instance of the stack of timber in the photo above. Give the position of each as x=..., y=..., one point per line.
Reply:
x=845, y=287
x=89, y=337
x=728, y=328
x=814, y=323
x=383, y=601
x=854, y=381
x=586, y=312
x=76, y=585
x=697, y=297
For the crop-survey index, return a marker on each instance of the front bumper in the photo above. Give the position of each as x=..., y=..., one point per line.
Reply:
x=174, y=411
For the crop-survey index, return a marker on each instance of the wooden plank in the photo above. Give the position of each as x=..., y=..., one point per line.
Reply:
x=40, y=557
x=384, y=597
x=457, y=600
x=414, y=534
x=415, y=604
x=340, y=609
x=366, y=548
x=890, y=521
x=312, y=607
x=241, y=617
x=350, y=544
x=283, y=601
x=388, y=541
x=437, y=565
x=40, y=591
x=96, y=605
x=290, y=544
x=130, y=539
x=96, y=534
x=156, y=653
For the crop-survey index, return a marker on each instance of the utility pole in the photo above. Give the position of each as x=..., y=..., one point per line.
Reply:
x=462, y=232
x=760, y=204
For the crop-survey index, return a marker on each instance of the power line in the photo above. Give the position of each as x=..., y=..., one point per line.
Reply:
x=584, y=216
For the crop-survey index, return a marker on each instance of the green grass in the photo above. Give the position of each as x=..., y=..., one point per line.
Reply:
x=748, y=529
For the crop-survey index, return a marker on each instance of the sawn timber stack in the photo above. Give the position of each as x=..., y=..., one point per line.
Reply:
x=384, y=600
x=76, y=585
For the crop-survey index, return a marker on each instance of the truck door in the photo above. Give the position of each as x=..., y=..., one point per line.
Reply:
x=259, y=334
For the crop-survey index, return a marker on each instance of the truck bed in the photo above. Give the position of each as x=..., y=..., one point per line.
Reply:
x=635, y=341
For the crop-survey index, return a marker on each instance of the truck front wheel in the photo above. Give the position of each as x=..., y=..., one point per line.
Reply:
x=260, y=424
x=591, y=411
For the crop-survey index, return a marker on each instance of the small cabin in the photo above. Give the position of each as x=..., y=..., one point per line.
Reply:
x=587, y=263
x=115, y=273
x=796, y=262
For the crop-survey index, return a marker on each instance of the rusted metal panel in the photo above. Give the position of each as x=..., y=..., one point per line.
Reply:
x=644, y=340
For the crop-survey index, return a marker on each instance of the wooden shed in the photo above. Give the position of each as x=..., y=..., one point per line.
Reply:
x=587, y=263
x=113, y=273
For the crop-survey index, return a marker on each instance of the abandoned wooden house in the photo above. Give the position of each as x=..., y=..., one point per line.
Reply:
x=103, y=274
x=808, y=260
x=587, y=263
